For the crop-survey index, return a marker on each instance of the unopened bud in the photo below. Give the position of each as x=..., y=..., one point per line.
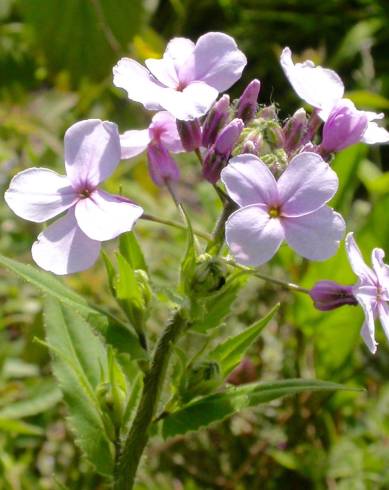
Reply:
x=268, y=113
x=217, y=156
x=209, y=275
x=215, y=120
x=162, y=166
x=328, y=295
x=202, y=378
x=294, y=131
x=344, y=127
x=190, y=134
x=248, y=105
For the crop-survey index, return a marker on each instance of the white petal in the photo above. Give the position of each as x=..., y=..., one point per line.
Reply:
x=134, y=142
x=180, y=52
x=249, y=181
x=357, y=263
x=383, y=312
x=103, y=216
x=368, y=327
x=252, y=236
x=62, y=248
x=218, y=61
x=164, y=71
x=375, y=134
x=137, y=81
x=315, y=236
x=163, y=127
x=320, y=87
x=92, y=152
x=193, y=102
x=307, y=183
x=38, y=194
x=380, y=268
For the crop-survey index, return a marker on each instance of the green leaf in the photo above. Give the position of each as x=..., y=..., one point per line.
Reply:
x=114, y=331
x=80, y=364
x=364, y=99
x=102, y=27
x=43, y=397
x=19, y=427
x=126, y=284
x=218, y=406
x=131, y=251
x=231, y=352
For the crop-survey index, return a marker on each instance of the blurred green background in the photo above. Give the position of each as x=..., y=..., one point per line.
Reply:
x=56, y=58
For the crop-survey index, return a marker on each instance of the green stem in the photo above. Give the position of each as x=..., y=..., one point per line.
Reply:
x=217, y=242
x=175, y=224
x=134, y=445
x=285, y=284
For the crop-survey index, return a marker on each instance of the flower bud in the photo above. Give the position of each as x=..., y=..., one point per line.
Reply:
x=215, y=120
x=247, y=104
x=204, y=377
x=328, y=295
x=268, y=113
x=344, y=127
x=190, y=134
x=245, y=372
x=294, y=131
x=209, y=275
x=162, y=166
x=217, y=156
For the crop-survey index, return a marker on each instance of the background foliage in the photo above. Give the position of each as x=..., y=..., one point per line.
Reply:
x=55, y=68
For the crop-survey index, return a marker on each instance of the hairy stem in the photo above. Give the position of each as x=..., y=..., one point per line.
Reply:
x=138, y=436
x=217, y=242
x=175, y=224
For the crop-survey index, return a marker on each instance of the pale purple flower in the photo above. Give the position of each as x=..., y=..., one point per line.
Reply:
x=323, y=89
x=163, y=130
x=292, y=209
x=190, y=134
x=215, y=120
x=160, y=138
x=371, y=291
x=187, y=79
x=72, y=244
x=344, y=127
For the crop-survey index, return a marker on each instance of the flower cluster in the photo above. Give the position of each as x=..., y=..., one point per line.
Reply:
x=276, y=173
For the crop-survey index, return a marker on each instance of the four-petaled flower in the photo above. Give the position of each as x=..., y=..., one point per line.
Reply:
x=323, y=89
x=371, y=291
x=292, y=209
x=188, y=78
x=72, y=244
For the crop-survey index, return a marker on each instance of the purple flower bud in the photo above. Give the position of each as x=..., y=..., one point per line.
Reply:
x=344, y=127
x=162, y=166
x=294, y=131
x=247, y=104
x=215, y=120
x=217, y=156
x=228, y=137
x=328, y=295
x=190, y=134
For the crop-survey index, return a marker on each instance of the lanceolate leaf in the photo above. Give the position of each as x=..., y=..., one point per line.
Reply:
x=131, y=251
x=117, y=334
x=80, y=364
x=230, y=353
x=218, y=406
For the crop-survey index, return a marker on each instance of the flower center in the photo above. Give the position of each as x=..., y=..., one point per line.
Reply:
x=274, y=212
x=85, y=193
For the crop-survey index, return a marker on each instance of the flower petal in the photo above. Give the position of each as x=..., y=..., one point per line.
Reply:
x=163, y=127
x=375, y=134
x=38, y=194
x=383, y=313
x=381, y=269
x=103, y=216
x=193, y=102
x=134, y=142
x=368, y=327
x=358, y=265
x=180, y=51
x=62, y=248
x=315, y=236
x=92, y=152
x=164, y=71
x=218, y=61
x=320, y=87
x=252, y=236
x=306, y=185
x=139, y=84
x=249, y=181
